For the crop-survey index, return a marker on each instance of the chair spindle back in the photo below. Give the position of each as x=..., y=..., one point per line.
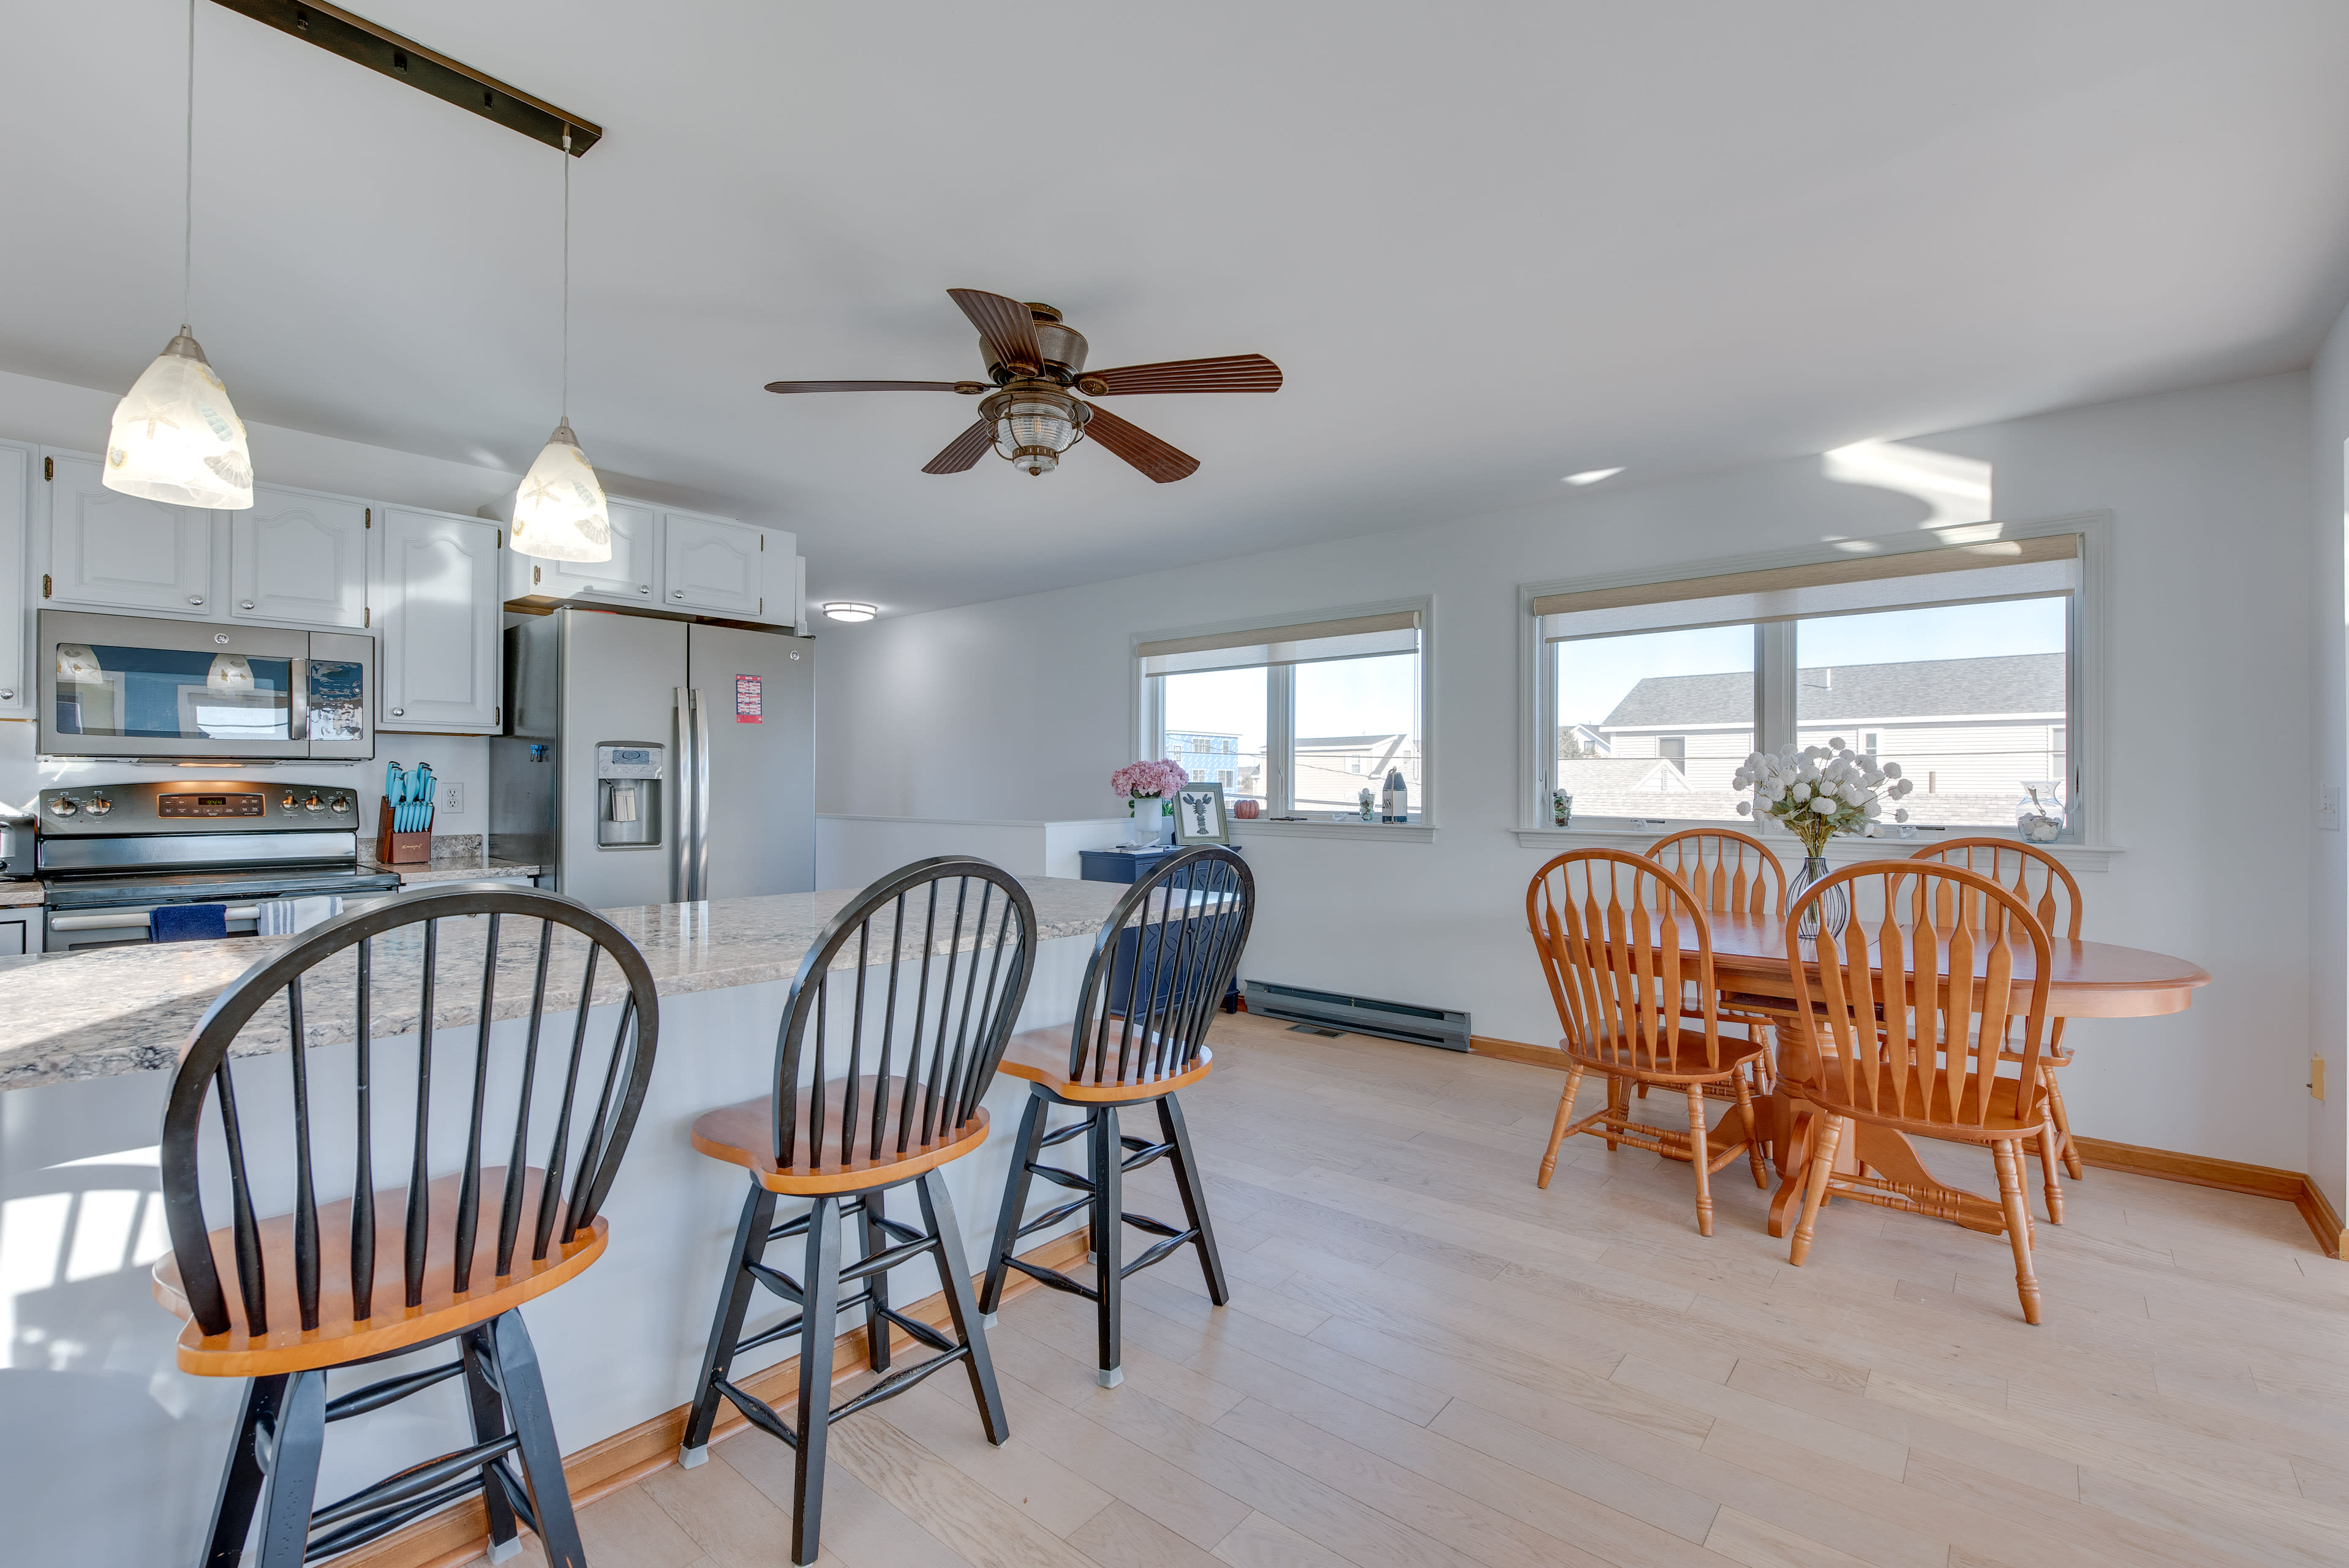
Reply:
x=1611, y=928
x=412, y=965
x=1146, y=1005
x=2044, y=884
x=1730, y=873
x=953, y=941
x=1910, y=1019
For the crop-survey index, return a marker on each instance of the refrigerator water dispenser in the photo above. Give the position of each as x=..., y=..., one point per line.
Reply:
x=628, y=794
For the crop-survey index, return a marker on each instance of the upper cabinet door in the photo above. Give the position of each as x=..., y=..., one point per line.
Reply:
x=298, y=556
x=628, y=578
x=437, y=622
x=712, y=565
x=122, y=551
x=16, y=467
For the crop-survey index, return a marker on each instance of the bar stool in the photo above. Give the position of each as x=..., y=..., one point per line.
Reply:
x=314, y=1289
x=2046, y=886
x=954, y=940
x=1160, y=968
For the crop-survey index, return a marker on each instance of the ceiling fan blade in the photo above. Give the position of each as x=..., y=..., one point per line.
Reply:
x=963, y=451
x=860, y=385
x=1230, y=373
x=1006, y=324
x=1163, y=463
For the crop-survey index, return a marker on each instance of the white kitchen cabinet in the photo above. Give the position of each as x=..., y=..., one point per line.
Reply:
x=631, y=577
x=20, y=932
x=712, y=565
x=17, y=464
x=299, y=555
x=437, y=616
x=115, y=551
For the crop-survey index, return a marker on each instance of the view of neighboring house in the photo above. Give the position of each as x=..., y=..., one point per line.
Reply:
x=1332, y=770
x=1968, y=731
x=1214, y=756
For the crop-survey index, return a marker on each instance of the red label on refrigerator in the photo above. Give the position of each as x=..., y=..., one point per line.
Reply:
x=748, y=699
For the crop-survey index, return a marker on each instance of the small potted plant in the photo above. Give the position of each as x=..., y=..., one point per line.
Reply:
x=1814, y=793
x=1155, y=783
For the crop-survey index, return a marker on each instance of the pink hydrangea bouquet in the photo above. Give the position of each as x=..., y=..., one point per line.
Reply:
x=1144, y=779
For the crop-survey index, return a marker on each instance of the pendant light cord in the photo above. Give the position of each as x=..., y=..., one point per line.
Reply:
x=187, y=186
x=566, y=272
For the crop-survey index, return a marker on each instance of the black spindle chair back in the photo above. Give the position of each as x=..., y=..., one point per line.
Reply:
x=540, y=1148
x=941, y=952
x=1161, y=966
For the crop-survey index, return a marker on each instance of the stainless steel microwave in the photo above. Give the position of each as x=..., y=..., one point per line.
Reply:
x=134, y=686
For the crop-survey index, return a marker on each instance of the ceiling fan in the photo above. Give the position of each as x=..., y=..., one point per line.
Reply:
x=1028, y=413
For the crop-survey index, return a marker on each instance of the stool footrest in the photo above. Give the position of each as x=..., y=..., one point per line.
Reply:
x=1052, y=1217
x=1157, y=1251
x=1155, y=1225
x=1074, y=1130
x=886, y=1259
x=359, y=1531
x=1054, y=1278
x=391, y=1390
x=1148, y=1152
x=904, y=1232
x=1060, y=1178
x=757, y=1411
x=919, y=1330
x=775, y=1280
x=898, y=1382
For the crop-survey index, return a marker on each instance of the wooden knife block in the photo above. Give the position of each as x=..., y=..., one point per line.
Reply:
x=400, y=848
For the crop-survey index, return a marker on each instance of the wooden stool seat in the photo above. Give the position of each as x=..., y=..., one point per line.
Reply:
x=744, y=1135
x=1041, y=1057
x=341, y=1337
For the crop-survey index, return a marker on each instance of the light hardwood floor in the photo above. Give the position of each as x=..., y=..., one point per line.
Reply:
x=1427, y=1362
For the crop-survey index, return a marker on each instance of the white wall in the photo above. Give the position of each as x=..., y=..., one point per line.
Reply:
x=52, y=414
x=856, y=852
x=2328, y=911
x=2210, y=656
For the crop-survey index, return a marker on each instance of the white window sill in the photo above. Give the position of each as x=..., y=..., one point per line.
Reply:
x=1245, y=829
x=1839, y=851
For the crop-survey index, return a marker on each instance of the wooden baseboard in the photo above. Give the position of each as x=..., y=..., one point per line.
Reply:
x=461, y=1533
x=2260, y=1180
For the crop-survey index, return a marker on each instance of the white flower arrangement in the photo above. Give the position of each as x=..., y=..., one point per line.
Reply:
x=1819, y=791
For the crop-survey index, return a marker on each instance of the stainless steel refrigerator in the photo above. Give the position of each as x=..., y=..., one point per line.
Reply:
x=652, y=760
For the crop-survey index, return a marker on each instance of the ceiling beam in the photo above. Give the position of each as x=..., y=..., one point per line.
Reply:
x=384, y=52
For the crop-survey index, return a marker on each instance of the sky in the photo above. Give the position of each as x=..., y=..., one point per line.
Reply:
x=1336, y=697
x=1595, y=673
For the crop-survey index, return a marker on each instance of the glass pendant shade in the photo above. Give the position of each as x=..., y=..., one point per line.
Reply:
x=559, y=512
x=1033, y=428
x=176, y=437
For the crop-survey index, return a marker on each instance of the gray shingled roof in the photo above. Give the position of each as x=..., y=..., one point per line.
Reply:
x=1922, y=688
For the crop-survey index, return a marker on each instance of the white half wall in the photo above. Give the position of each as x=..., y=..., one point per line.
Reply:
x=856, y=852
x=2210, y=692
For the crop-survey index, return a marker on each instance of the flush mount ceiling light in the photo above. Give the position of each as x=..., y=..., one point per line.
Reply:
x=176, y=436
x=559, y=512
x=848, y=610
x=1591, y=475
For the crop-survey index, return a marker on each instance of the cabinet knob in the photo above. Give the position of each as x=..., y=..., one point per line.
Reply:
x=195, y=598
x=677, y=594
x=7, y=696
x=398, y=713
x=643, y=588
x=244, y=603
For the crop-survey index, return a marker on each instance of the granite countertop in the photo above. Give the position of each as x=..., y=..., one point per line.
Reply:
x=94, y=1013
x=457, y=866
x=18, y=894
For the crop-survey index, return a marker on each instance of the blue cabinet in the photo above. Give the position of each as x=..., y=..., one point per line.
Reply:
x=1130, y=866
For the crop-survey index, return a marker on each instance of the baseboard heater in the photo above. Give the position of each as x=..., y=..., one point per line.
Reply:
x=1438, y=1026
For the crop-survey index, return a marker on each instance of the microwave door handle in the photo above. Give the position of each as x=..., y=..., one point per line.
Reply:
x=297, y=700
x=700, y=797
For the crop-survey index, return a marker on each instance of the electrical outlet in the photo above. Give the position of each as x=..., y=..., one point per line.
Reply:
x=2316, y=1077
x=2328, y=809
x=451, y=798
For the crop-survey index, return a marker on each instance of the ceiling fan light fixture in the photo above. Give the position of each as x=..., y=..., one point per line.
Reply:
x=559, y=512
x=849, y=609
x=1034, y=425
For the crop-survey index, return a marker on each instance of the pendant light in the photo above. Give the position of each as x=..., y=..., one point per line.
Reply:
x=559, y=512
x=176, y=437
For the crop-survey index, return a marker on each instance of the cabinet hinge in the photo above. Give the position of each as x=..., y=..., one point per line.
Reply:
x=366, y=616
x=762, y=606
x=501, y=539
x=45, y=576
x=763, y=544
x=497, y=718
x=534, y=576
x=370, y=517
x=49, y=467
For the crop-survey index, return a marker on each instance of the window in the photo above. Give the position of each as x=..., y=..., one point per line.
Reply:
x=1301, y=717
x=1958, y=663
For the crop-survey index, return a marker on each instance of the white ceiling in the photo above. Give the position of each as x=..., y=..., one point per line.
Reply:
x=1490, y=244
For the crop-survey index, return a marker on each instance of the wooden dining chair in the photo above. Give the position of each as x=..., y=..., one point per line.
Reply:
x=1731, y=874
x=892, y=1034
x=1160, y=966
x=392, y=1242
x=2047, y=885
x=1612, y=929
x=1916, y=1007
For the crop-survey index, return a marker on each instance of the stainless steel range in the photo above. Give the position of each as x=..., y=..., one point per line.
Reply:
x=108, y=854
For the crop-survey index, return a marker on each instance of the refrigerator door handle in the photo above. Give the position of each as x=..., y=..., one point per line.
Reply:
x=680, y=875
x=700, y=797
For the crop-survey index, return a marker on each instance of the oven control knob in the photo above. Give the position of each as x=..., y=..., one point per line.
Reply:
x=286, y=804
x=100, y=805
x=313, y=804
x=342, y=802
x=61, y=807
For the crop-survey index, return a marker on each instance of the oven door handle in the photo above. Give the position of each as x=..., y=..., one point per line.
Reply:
x=123, y=919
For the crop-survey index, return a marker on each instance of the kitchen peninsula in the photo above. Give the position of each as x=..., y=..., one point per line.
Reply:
x=86, y=1040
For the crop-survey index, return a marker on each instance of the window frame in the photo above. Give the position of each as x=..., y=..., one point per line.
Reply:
x=2084, y=723
x=1148, y=726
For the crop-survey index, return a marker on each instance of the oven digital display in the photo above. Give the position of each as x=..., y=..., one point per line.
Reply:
x=208, y=806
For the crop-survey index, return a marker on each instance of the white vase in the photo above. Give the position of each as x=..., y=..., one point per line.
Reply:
x=1153, y=823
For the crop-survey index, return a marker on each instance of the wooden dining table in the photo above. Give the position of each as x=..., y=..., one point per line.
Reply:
x=2087, y=980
